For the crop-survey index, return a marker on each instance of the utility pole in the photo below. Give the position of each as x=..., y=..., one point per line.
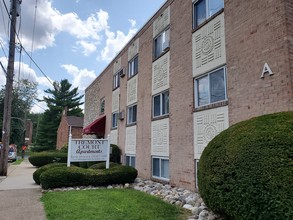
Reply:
x=15, y=5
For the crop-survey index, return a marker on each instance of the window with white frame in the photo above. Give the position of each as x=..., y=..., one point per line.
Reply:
x=116, y=80
x=114, y=119
x=102, y=106
x=161, y=104
x=204, y=9
x=161, y=43
x=133, y=67
x=131, y=114
x=210, y=88
x=130, y=160
x=160, y=167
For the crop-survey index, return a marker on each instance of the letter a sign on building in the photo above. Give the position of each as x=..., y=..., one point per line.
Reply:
x=266, y=69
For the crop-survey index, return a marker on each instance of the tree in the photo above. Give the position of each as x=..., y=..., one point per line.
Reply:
x=24, y=93
x=58, y=98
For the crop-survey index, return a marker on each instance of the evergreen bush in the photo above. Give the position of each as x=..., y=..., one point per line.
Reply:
x=40, y=170
x=44, y=158
x=103, y=165
x=246, y=172
x=116, y=154
x=75, y=176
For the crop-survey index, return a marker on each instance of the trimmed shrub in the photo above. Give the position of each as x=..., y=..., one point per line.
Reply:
x=39, y=171
x=246, y=172
x=75, y=176
x=103, y=165
x=44, y=158
x=116, y=154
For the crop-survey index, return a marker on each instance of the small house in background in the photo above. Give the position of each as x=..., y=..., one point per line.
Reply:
x=67, y=124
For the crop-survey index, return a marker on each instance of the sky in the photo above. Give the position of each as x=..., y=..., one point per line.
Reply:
x=70, y=39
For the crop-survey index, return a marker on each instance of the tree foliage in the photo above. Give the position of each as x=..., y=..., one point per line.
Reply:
x=58, y=98
x=24, y=93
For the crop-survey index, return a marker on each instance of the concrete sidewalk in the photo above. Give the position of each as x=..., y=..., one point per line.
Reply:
x=19, y=195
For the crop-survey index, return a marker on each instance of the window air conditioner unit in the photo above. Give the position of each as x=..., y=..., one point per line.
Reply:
x=121, y=73
x=121, y=115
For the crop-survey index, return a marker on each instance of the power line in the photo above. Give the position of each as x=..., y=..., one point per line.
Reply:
x=21, y=46
x=6, y=31
x=34, y=26
x=6, y=8
x=2, y=46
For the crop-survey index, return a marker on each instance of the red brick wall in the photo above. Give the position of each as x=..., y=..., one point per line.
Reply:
x=256, y=33
x=62, y=133
x=181, y=148
x=289, y=19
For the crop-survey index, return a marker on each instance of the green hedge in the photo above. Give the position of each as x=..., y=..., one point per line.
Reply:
x=116, y=154
x=102, y=165
x=39, y=171
x=75, y=176
x=44, y=158
x=246, y=172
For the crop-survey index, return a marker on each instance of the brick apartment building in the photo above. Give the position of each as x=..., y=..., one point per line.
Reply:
x=195, y=68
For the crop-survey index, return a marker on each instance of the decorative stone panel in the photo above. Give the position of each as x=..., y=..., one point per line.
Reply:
x=117, y=65
x=160, y=74
x=115, y=100
x=207, y=124
x=133, y=49
x=160, y=137
x=161, y=22
x=114, y=137
x=208, y=46
x=132, y=90
x=130, y=140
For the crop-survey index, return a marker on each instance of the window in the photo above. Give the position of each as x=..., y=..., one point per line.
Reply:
x=204, y=9
x=160, y=167
x=210, y=88
x=116, y=80
x=130, y=160
x=114, y=119
x=161, y=43
x=196, y=173
x=133, y=67
x=131, y=114
x=102, y=106
x=161, y=104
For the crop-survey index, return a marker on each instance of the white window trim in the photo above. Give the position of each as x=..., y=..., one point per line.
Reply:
x=116, y=80
x=131, y=156
x=161, y=104
x=128, y=115
x=207, y=74
x=163, y=49
x=193, y=12
x=131, y=67
x=160, y=177
x=117, y=115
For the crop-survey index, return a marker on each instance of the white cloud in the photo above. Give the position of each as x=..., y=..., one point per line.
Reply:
x=82, y=78
x=23, y=72
x=115, y=42
x=88, y=48
x=51, y=22
x=39, y=107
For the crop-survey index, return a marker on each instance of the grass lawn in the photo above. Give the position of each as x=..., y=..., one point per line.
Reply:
x=17, y=162
x=114, y=204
